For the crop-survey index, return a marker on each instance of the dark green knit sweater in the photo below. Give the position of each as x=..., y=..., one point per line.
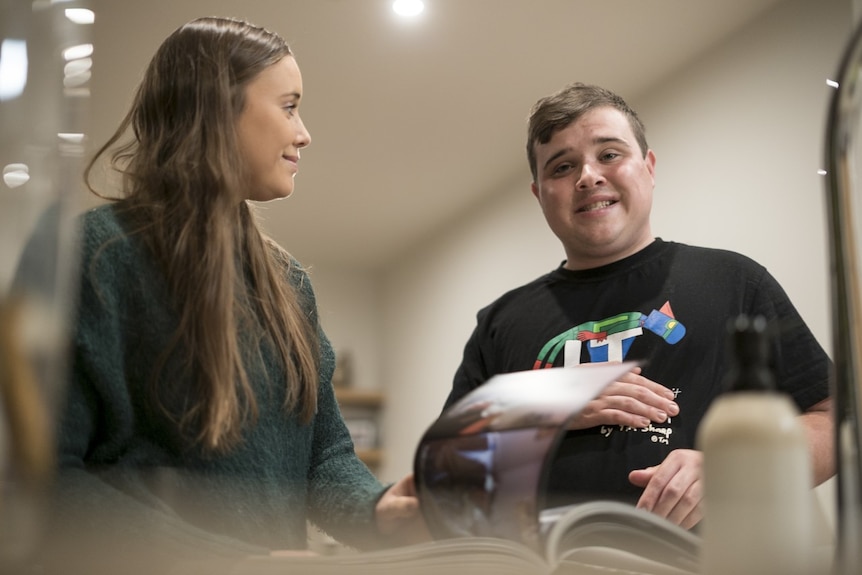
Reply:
x=124, y=472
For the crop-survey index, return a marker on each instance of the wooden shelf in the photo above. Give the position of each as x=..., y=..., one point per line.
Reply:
x=348, y=396
x=371, y=457
x=362, y=404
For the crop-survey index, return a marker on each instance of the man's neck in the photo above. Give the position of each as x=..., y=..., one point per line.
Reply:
x=585, y=262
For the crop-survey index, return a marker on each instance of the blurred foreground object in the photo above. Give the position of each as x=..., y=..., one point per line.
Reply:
x=844, y=212
x=757, y=522
x=45, y=67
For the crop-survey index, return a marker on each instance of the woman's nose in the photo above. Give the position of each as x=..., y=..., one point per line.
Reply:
x=303, y=137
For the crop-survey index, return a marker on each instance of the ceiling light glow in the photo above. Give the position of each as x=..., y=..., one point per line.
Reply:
x=80, y=15
x=77, y=72
x=71, y=137
x=15, y=175
x=78, y=51
x=13, y=68
x=408, y=7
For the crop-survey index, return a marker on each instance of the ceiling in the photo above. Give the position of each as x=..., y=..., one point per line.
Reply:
x=416, y=122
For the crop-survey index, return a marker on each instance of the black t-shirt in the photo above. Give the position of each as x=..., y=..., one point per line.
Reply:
x=666, y=306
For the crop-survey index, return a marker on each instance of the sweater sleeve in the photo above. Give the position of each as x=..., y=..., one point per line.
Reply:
x=342, y=491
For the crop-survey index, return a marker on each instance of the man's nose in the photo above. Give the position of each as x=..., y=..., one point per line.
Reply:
x=591, y=175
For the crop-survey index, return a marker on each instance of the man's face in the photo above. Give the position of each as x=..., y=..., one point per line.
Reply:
x=595, y=188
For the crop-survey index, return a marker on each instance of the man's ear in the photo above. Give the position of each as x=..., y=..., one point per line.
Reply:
x=650, y=161
x=535, y=189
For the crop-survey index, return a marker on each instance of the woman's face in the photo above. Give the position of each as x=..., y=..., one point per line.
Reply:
x=270, y=132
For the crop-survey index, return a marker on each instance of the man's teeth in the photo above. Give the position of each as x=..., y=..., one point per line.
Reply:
x=596, y=206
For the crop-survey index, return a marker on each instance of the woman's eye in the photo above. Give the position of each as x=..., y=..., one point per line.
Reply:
x=290, y=109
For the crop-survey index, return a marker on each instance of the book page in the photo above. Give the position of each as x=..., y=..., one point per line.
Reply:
x=616, y=534
x=480, y=467
x=462, y=556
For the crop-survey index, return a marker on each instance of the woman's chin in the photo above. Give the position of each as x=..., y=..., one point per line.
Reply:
x=270, y=195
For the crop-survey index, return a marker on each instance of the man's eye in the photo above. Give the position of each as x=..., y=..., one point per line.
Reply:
x=562, y=169
x=610, y=156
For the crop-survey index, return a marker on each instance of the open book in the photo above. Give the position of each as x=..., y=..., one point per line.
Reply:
x=480, y=472
x=593, y=538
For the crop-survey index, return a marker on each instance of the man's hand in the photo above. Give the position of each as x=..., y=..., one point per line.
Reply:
x=632, y=401
x=398, y=515
x=674, y=488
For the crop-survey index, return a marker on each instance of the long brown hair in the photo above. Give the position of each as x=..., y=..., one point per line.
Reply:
x=184, y=189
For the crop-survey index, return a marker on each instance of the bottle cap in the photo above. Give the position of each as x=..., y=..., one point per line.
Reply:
x=750, y=346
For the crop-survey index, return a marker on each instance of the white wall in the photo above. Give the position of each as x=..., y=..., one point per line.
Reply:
x=350, y=307
x=431, y=300
x=738, y=137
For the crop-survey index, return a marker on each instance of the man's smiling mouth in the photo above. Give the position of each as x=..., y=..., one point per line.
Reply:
x=596, y=206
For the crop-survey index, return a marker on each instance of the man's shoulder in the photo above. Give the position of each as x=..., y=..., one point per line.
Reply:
x=527, y=291
x=710, y=256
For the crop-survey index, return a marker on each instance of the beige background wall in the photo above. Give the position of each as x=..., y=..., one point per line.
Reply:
x=738, y=137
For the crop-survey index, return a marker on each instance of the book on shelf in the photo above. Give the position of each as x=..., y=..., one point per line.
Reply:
x=480, y=471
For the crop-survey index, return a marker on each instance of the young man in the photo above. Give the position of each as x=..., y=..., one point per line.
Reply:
x=624, y=294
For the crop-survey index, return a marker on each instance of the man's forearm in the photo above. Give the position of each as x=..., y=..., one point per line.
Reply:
x=819, y=423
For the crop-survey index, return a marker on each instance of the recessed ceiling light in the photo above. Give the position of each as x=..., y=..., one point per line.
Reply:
x=408, y=7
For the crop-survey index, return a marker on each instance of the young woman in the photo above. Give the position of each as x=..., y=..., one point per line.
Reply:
x=200, y=415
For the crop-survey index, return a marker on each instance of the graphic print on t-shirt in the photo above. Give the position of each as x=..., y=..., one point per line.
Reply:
x=610, y=339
